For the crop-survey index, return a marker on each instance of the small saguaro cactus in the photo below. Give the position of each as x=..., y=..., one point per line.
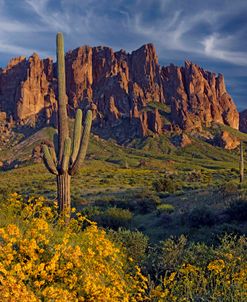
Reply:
x=241, y=163
x=70, y=154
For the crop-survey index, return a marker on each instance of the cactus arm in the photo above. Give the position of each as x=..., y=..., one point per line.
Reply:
x=76, y=135
x=84, y=144
x=49, y=163
x=63, y=129
x=53, y=154
x=66, y=155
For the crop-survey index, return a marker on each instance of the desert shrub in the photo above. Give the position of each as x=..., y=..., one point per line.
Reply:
x=42, y=259
x=124, y=163
x=196, y=272
x=135, y=243
x=165, y=184
x=114, y=218
x=165, y=208
x=237, y=210
x=198, y=176
x=123, y=203
x=91, y=211
x=142, y=202
x=105, y=201
x=226, y=229
x=166, y=256
x=146, y=202
x=4, y=191
x=201, y=216
x=228, y=189
x=145, y=206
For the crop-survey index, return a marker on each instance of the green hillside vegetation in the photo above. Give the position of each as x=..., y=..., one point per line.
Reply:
x=140, y=177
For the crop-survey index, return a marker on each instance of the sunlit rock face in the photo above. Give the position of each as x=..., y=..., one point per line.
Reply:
x=197, y=97
x=226, y=140
x=119, y=88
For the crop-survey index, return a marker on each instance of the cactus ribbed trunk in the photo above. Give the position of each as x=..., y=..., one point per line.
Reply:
x=69, y=156
x=241, y=167
x=63, y=128
x=63, y=190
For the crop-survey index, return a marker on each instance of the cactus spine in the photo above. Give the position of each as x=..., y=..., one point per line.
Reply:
x=241, y=165
x=70, y=155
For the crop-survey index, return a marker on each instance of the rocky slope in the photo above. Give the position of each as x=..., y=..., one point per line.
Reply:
x=130, y=94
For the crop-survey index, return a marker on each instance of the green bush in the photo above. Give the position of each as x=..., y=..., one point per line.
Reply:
x=166, y=256
x=201, y=216
x=91, y=211
x=198, y=176
x=165, y=208
x=146, y=202
x=104, y=201
x=228, y=189
x=134, y=242
x=123, y=203
x=165, y=184
x=197, y=272
x=114, y=218
x=225, y=229
x=142, y=202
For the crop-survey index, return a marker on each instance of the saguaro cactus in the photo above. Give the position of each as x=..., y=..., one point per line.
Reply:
x=241, y=163
x=70, y=155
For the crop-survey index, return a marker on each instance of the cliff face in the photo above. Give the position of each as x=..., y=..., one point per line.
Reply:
x=197, y=97
x=118, y=87
x=26, y=88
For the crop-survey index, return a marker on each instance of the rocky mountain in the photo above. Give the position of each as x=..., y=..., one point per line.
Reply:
x=130, y=94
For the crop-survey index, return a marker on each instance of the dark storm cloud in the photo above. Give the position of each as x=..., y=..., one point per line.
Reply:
x=210, y=33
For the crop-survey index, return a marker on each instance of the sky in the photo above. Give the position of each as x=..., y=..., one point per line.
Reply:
x=211, y=33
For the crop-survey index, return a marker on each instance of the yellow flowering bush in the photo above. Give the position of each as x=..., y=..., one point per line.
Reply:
x=41, y=260
x=223, y=278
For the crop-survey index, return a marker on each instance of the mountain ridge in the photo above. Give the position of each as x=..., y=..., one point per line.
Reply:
x=125, y=91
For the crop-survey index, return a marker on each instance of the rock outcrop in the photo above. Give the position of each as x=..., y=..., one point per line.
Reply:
x=26, y=88
x=118, y=87
x=243, y=121
x=181, y=140
x=197, y=97
x=226, y=140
